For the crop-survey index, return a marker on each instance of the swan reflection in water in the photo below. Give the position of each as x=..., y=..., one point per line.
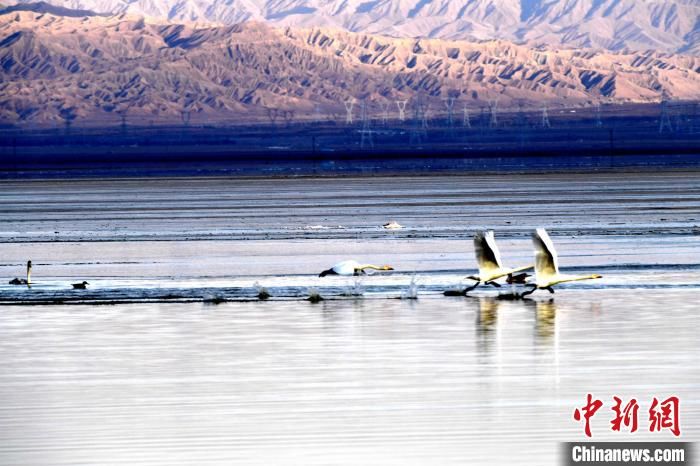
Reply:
x=545, y=318
x=487, y=314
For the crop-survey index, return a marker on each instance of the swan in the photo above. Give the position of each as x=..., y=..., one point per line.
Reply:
x=22, y=281
x=547, y=265
x=393, y=225
x=490, y=266
x=352, y=267
x=80, y=286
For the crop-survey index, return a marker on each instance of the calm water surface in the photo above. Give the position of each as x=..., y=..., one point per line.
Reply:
x=360, y=381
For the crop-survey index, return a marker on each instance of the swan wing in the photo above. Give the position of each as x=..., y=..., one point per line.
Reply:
x=487, y=255
x=546, y=262
x=346, y=267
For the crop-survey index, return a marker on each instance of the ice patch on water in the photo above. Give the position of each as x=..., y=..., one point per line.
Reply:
x=323, y=227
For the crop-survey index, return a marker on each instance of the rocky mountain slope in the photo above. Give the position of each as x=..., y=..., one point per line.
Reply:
x=96, y=69
x=662, y=25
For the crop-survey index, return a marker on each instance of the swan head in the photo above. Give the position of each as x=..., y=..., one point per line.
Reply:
x=474, y=277
x=386, y=267
x=595, y=275
x=29, y=265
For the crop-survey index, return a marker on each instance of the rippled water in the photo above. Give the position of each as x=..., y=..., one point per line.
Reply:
x=364, y=377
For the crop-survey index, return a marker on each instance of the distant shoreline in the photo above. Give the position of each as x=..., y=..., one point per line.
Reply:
x=305, y=164
x=578, y=144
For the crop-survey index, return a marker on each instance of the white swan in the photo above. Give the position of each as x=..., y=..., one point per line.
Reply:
x=393, y=225
x=22, y=281
x=352, y=267
x=489, y=259
x=547, y=265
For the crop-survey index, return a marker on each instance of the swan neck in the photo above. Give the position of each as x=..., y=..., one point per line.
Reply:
x=368, y=266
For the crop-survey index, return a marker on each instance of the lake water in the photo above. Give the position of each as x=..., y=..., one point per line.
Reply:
x=360, y=378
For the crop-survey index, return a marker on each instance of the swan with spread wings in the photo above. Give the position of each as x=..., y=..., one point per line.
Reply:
x=547, y=265
x=488, y=257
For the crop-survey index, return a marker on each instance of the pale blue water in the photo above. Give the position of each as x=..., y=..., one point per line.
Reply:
x=364, y=381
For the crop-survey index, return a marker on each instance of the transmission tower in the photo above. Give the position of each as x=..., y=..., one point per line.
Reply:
x=366, y=131
x=449, y=119
x=185, y=115
x=272, y=114
x=318, y=115
x=545, y=117
x=678, y=117
x=401, y=104
x=68, y=114
x=385, y=112
x=419, y=131
x=521, y=122
x=449, y=105
x=598, y=116
x=493, y=110
x=466, y=121
x=122, y=116
x=288, y=116
x=349, y=104
x=665, y=120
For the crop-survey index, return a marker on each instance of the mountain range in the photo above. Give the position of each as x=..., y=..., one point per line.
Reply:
x=616, y=25
x=66, y=66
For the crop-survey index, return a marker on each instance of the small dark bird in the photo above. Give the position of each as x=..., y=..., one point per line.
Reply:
x=80, y=286
x=517, y=279
x=23, y=281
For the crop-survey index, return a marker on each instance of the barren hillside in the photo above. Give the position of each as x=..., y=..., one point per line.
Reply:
x=94, y=69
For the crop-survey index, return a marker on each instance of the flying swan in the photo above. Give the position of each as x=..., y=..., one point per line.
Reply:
x=490, y=266
x=352, y=267
x=547, y=265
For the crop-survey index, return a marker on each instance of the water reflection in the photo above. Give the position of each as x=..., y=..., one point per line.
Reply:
x=444, y=381
x=487, y=314
x=545, y=318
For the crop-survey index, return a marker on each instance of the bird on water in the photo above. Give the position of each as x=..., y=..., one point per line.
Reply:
x=80, y=286
x=352, y=267
x=488, y=257
x=24, y=281
x=547, y=265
